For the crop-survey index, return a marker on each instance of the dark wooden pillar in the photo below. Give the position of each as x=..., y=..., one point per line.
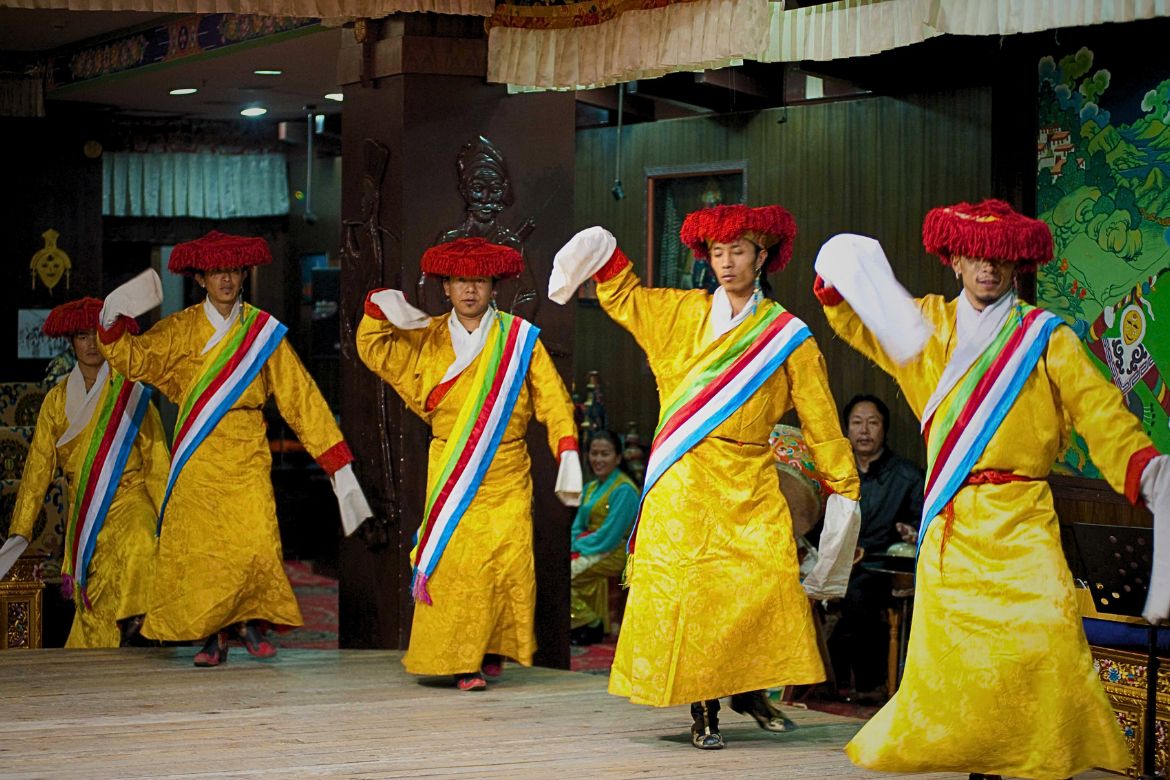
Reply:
x=424, y=97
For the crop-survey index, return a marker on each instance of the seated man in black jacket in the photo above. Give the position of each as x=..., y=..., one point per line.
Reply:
x=891, y=504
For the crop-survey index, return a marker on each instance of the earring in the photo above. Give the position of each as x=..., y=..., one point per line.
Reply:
x=493, y=301
x=758, y=293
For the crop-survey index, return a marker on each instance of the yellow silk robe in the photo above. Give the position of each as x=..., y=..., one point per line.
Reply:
x=120, y=571
x=999, y=678
x=715, y=604
x=219, y=557
x=484, y=586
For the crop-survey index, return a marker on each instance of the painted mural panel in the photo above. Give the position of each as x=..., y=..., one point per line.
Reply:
x=1103, y=186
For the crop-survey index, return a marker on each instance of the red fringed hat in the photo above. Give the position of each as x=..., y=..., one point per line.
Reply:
x=218, y=250
x=770, y=227
x=77, y=317
x=990, y=230
x=472, y=257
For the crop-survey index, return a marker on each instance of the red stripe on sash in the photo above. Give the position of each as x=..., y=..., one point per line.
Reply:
x=979, y=394
x=476, y=431
x=98, y=461
x=687, y=410
x=228, y=369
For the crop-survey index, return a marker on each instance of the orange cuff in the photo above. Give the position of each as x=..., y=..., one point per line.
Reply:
x=1133, y=473
x=615, y=265
x=335, y=458
x=371, y=308
x=828, y=296
x=566, y=444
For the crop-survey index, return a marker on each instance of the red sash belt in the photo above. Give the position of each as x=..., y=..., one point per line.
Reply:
x=985, y=477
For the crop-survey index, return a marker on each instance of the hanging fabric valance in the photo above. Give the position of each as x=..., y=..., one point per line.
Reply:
x=578, y=45
x=321, y=9
x=601, y=42
x=194, y=184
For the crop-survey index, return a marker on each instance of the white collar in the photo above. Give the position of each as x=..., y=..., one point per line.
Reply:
x=221, y=324
x=467, y=346
x=974, y=332
x=722, y=320
x=80, y=404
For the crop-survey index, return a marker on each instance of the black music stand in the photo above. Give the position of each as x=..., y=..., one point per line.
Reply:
x=1116, y=562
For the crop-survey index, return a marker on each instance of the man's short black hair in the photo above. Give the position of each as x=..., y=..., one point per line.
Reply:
x=883, y=410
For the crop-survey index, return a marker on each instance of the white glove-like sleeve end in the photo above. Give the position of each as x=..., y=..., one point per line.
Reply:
x=830, y=576
x=1156, y=492
x=856, y=266
x=355, y=510
x=134, y=298
x=584, y=255
x=569, y=485
x=399, y=313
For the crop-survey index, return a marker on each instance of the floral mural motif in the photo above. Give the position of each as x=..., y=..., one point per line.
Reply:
x=1103, y=166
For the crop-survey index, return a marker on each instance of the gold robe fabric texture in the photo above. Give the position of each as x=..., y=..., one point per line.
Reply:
x=219, y=557
x=484, y=587
x=715, y=604
x=121, y=569
x=999, y=678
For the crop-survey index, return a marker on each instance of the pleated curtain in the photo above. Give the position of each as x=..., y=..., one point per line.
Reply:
x=194, y=184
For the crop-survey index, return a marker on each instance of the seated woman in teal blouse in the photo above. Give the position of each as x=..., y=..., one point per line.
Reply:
x=600, y=530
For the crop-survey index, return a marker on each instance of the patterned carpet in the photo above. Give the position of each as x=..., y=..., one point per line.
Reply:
x=317, y=597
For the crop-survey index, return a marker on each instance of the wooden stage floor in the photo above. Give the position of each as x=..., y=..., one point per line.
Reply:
x=355, y=714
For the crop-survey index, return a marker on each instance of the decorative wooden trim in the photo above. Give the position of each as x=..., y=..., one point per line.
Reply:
x=653, y=174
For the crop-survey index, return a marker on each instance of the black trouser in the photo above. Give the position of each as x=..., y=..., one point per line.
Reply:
x=860, y=641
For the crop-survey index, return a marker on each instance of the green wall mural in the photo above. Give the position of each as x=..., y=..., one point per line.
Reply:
x=1103, y=168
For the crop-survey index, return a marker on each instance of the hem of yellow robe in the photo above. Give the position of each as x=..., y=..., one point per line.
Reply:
x=622, y=689
x=148, y=630
x=885, y=764
x=438, y=670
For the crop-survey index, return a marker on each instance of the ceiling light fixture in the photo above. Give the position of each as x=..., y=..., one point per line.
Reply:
x=335, y=96
x=263, y=72
x=254, y=111
x=184, y=91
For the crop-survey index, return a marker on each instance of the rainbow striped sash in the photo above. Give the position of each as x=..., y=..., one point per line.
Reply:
x=228, y=369
x=468, y=453
x=115, y=426
x=960, y=429
x=722, y=378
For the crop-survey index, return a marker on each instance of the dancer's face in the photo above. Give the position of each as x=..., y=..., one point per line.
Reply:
x=470, y=295
x=603, y=457
x=86, y=350
x=736, y=265
x=223, y=285
x=984, y=281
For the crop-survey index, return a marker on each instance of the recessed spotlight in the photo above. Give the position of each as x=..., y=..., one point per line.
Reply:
x=254, y=111
x=184, y=91
x=263, y=72
x=335, y=96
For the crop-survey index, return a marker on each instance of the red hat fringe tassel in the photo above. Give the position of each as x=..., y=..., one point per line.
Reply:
x=989, y=230
x=77, y=317
x=769, y=226
x=218, y=250
x=472, y=257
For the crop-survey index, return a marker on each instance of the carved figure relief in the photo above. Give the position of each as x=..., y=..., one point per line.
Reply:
x=486, y=189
